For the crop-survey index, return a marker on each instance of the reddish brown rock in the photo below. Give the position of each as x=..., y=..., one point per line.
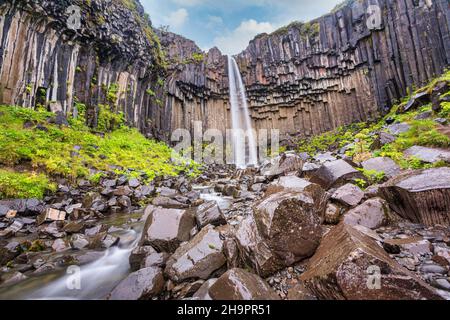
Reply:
x=421, y=196
x=238, y=284
x=165, y=229
x=372, y=214
x=344, y=267
x=140, y=285
x=335, y=174
x=286, y=228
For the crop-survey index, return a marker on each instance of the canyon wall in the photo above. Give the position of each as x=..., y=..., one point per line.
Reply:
x=110, y=57
x=303, y=79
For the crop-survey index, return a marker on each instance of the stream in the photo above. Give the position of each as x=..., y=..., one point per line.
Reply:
x=98, y=278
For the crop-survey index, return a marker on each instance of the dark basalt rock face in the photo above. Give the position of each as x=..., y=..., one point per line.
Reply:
x=303, y=79
x=44, y=61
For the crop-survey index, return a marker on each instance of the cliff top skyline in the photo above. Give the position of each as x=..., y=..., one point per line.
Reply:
x=230, y=25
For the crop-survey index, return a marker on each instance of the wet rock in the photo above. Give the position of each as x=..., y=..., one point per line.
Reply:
x=382, y=164
x=421, y=196
x=416, y=246
x=209, y=213
x=140, y=285
x=94, y=230
x=282, y=165
x=12, y=278
x=342, y=265
x=428, y=155
x=123, y=191
x=199, y=258
x=286, y=228
x=203, y=292
x=372, y=214
x=349, y=195
x=138, y=256
x=51, y=215
x=3, y=210
x=166, y=229
x=335, y=174
x=238, y=284
x=59, y=245
x=79, y=241
x=9, y=251
x=166, y=192
x=124, y=202
x=166, y=202
x=398, y=128
x=156, y=260
x=424, y=115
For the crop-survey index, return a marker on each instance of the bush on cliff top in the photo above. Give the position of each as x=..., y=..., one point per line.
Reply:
x=75, y=152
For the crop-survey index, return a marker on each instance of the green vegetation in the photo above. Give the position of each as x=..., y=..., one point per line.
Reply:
x=359, y=138
x=57, y=151
x=23, y=185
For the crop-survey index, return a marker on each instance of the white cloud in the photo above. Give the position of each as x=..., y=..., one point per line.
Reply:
x=177, y=19
x=189, y=3
x=237, y=40
x=214, y=21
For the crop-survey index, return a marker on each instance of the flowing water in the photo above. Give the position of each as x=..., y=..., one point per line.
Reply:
x=96, y=279
x=240, y=118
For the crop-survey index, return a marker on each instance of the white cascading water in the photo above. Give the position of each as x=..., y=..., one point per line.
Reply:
x=240, y=118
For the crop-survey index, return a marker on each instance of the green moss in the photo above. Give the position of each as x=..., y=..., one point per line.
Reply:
x=108, y=120
x=71, y=152
x=24, y=185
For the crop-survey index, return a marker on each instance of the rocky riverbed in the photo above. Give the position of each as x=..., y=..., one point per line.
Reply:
x=295, y=228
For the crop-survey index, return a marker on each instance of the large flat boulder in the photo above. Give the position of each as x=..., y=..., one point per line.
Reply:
x=428, y=155
x=372, y=214
x=238, y=284
x=349, y=195
x=140, y=285
x=335, y=174
x=286, y=228
x=351, y=265
x=199, y=258
x=382, y=164
x=165, y=229
x=421, y=196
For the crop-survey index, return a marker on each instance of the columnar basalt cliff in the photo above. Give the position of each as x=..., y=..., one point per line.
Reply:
x=343, y=67
x=112, y=57
x=303, y=79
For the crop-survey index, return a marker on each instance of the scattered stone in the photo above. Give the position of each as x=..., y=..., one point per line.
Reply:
x=79, y=241
x=421, y=196
x=203, y=292
x=398, y=128
x=140, y=285
x=238, y=284
x=166, y=229
x=209, y=213
x=166, y=202
x=134, y=183
x=424, y=115
x=199, y=258
x=335, y=174
x=383, y=138
x=156, y=260
x=349, y=195
x=417, y=246
x=382, y=164
x=51, y=214
x=324, y=157
x=417, y=101
x=59, y=245
x=372, y=214
x=428, y=155
x=343, y=262
x=333, y=214
x=300, y=293
x=281, y=165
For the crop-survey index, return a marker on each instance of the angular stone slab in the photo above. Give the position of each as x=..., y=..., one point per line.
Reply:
x=335, y=174
x=382, y=164
x=281, y=165
x=165, y=229
x=428, y=155
x=343, y=265
x=140, y=285
x=199, y=258
x=238, y=284
x=421, y=196
x=348, y=194
x=209, y=213
x=372, y=214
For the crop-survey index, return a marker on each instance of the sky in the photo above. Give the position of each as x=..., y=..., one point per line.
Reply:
x=231, y=24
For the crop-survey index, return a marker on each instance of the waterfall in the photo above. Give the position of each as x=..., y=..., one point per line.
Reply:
x=240, y=118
